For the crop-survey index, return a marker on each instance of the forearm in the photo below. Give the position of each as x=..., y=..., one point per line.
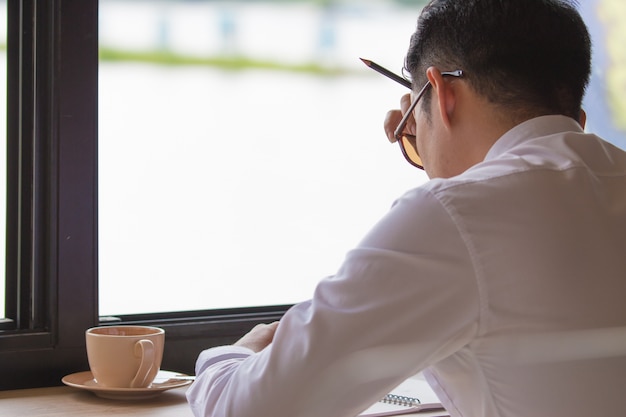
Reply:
x=384, y=316
x=214, y=369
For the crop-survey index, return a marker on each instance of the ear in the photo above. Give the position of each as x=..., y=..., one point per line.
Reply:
x=583, y=118
x=445, y=93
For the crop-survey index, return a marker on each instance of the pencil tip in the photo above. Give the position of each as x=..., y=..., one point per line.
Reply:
x=366, y=61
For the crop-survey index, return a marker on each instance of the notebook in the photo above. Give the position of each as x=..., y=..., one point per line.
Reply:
x=412, y=396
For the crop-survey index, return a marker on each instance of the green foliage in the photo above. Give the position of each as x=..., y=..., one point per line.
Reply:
x=232, y=63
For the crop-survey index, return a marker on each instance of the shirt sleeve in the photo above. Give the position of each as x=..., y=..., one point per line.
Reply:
x=404, y=298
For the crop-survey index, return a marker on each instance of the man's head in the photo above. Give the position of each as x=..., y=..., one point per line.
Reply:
x=527, y=57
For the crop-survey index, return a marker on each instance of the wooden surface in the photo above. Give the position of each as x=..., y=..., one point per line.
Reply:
x=70, y=402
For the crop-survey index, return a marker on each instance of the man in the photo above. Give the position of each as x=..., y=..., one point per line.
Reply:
x=503, y=278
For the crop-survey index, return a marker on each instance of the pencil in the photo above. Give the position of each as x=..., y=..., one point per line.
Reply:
x=386, y=72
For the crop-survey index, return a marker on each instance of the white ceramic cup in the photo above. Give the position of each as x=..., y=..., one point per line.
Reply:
x=125, y=356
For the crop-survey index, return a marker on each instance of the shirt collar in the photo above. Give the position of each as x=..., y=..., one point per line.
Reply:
x=532, y=129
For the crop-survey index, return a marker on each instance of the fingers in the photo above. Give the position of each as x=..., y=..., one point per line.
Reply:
x=405, y=102
x=259, y=337
x=393, y=118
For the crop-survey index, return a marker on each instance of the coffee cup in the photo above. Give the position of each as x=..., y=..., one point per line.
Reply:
x=125, y=356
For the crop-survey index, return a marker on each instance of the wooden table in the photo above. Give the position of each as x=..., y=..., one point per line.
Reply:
x=68, y=402
x=71, y=402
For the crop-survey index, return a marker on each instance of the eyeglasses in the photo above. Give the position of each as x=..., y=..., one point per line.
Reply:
x=408, y=142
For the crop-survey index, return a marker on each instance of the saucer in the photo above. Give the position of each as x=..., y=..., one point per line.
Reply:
x=165, y=380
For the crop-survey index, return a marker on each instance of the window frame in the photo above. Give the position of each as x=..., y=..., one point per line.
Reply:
x=52, y=201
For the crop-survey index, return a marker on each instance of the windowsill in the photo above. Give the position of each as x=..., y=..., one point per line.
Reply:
x=67, y=402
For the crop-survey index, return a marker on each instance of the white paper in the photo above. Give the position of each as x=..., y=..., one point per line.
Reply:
x=414, y=387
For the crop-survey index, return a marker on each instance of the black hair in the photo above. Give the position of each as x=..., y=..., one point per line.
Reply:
x=531, y=56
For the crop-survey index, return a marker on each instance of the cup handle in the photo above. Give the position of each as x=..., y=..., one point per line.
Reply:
x=145, y=349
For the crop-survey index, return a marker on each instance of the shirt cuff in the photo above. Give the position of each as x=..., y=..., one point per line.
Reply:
x=220, y=353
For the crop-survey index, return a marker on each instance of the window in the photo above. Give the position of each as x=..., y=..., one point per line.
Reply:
x=217, y=173
x=229, y=137
x=3, y=158
x=53, y=196
x=53, y=184
x=605, y=100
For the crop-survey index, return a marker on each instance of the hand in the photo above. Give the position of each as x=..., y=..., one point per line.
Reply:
x=393, y=117
x=259, y=337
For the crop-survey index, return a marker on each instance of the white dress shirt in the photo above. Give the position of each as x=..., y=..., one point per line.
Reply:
x=506, y=285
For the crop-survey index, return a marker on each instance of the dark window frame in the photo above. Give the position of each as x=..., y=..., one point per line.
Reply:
x=52, y=219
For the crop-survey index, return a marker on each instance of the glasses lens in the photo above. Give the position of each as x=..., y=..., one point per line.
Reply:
x=409, y=149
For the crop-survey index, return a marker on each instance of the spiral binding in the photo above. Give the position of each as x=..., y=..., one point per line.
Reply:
x=400, y=400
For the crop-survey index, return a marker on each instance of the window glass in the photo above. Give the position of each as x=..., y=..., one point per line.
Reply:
x=605, y=100
x=3, y=147
x=241, y=149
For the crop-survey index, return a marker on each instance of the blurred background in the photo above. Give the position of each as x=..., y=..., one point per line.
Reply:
x=241, y=146
x=241, y=149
